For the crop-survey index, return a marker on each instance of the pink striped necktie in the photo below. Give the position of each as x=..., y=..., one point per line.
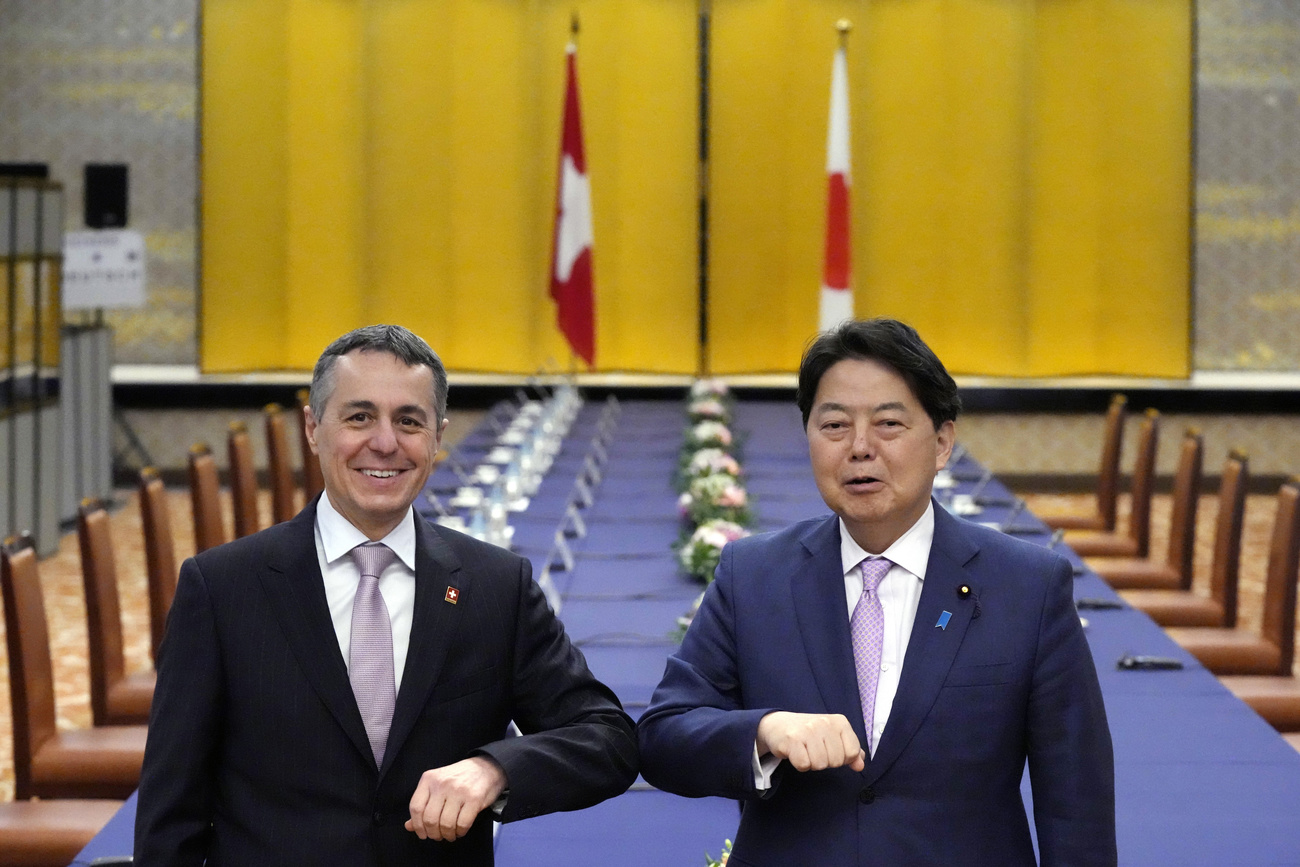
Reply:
x=370, y=650
x=867, y=627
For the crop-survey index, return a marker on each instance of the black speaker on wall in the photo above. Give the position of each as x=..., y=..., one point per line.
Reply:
x=105, y=194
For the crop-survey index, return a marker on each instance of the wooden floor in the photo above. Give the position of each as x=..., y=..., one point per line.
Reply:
x=61, y=579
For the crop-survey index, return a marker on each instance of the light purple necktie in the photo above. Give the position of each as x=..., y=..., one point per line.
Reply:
x=370, y=651
x=868, y=629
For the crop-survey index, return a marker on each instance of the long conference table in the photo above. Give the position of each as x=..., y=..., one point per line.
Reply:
x=1200, y=778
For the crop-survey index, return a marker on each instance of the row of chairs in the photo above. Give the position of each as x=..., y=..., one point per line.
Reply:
x=1256, y=666
x=69, y=783
x=80, y=777
x=205, y=498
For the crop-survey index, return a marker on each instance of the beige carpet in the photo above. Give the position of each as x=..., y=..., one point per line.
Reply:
x=61, y=579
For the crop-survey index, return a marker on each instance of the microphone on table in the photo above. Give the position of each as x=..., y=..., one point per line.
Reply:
x=1010, y=519
x=980, y=485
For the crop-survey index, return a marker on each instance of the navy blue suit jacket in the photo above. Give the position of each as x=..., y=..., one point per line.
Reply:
x=257, y=754
x=1011, y=678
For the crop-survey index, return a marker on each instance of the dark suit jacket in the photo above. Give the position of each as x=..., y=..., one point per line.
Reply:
x=257, y=754
x=1010, y=678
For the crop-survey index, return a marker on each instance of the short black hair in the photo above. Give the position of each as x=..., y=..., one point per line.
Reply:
x=403, y=343
x=892, y=343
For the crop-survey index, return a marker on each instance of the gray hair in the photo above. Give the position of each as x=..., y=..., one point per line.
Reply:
x=397, y=341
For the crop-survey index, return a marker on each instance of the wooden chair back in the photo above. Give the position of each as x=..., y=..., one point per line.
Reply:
x=284, y=490
x=1283, y=567
x=243, y=481
x=205, y=499
x=159, y=553
x=31, y=671
x=1108, y=475
x=107, y=654
x=313, y=481
x=1187, y=495
x=1225, y=564
x=1144, y=482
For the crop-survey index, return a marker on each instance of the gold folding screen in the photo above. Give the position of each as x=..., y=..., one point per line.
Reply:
x=1021, y=179
x=1020, y=189
x=394, y=160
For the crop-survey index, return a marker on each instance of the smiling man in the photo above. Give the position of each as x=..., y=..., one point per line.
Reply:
x=871, y=684
x=337, y=689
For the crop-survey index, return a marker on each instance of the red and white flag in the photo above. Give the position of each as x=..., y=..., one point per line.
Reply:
x=571, y=283
x=837, y=288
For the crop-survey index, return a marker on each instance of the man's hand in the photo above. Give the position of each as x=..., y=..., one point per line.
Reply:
x=810, y=742
x=448, y=800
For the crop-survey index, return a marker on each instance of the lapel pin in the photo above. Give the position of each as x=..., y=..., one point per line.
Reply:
x=963, y=591
x=943, y=620
x=453, y=595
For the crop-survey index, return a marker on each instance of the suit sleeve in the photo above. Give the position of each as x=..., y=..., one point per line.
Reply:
x=697, y=736
x=1071, y=761
x=175, y=802
x=578, y=746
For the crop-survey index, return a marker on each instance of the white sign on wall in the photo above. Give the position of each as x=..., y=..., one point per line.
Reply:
x=103, y=268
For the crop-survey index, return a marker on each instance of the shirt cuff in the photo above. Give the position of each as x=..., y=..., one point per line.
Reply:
x=763, y=770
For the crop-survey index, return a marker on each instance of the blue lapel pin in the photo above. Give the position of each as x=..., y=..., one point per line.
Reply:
x=943, y=620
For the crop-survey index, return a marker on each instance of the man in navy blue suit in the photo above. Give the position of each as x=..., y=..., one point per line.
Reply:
x=871, y=684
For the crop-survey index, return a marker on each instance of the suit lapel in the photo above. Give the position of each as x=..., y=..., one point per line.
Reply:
x=293, y=583
x=819, y=605
x=433, y=626
x=930, y=649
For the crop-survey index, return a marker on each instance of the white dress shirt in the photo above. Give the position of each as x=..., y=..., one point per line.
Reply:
x=900, y=594
x=335, y=538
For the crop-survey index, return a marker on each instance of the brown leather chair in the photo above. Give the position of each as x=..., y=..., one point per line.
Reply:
x=1179, y=607
x=1277, y=697
x=243, y=481
x=1136, y=542
x=1175, y=571
x=284, y=491
x=313, y=481
x=116, y=698
x=50, y=833
x=49, y=762
x=1103, y=516
x=205, y=499
x=1272, y=651
x=159, y=553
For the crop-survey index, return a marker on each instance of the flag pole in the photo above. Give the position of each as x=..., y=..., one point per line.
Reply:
x=705, y=10
x=573, y=39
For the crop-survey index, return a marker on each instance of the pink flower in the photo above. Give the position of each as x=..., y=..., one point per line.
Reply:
x=733, y=497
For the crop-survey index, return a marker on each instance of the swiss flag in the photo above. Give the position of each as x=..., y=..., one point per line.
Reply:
x=837, y=286
x=571, y=282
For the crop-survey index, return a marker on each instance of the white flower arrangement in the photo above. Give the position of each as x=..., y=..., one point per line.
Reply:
x=709, y=388
x=708, y=409
x=709, y=434
x=716, y=495
x=712, y=462
x=721, y=862
x=700, y=554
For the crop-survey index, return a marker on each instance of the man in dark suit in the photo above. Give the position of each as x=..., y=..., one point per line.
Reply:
x=324, y=701
x=871, y=684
